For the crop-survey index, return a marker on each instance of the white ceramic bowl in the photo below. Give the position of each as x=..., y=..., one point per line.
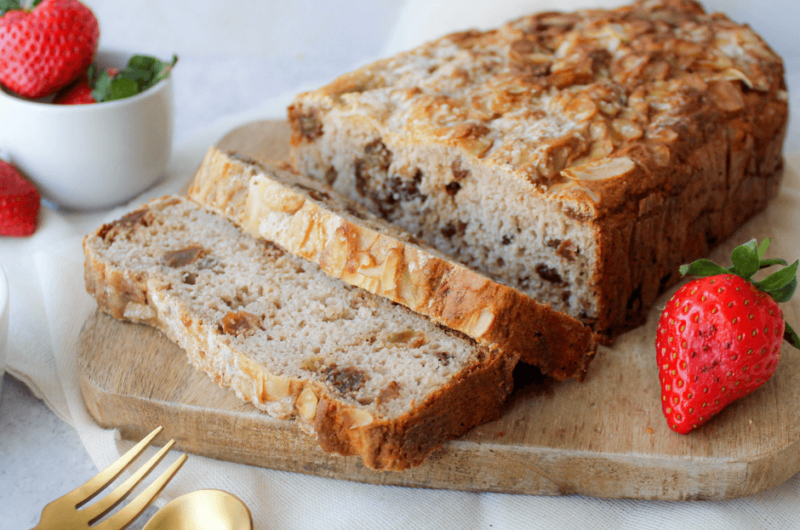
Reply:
x=87, y=157
x=3, y=324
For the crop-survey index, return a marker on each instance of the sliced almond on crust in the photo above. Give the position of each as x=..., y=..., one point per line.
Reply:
x=601, y=170
x=275, y=197
x=134, y=311
x=391, y=269
x=277, y=387
x=334, y=257
x=726, y=96
x=307, y=404
x=359, y=418
x=482, y=323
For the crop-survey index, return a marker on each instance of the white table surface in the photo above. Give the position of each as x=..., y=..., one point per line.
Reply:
x=233, y=56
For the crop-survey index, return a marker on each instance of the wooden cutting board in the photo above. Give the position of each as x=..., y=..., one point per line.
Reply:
x=604, y=437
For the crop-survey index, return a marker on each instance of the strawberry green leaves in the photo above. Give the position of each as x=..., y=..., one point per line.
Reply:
x=784, y=293
x=780, y=285
x=141, y=73
x=149, y=70
x=702, y=268
x=770, y=262
x=14, y=5
x=9, y=5
x=747, y=260
x=778, y=279
x=762, y=248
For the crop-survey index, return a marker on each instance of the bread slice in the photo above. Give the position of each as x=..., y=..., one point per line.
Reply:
x=368, y=377
x=309, y=219
x=580, y=158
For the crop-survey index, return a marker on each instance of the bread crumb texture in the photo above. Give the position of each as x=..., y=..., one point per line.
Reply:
x=309, y=219
x=288, y=338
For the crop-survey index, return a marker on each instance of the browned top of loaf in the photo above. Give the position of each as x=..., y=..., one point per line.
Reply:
x=574, y=102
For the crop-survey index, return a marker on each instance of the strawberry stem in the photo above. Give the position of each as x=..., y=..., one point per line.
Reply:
x=747, y=260
x=762, y=248
x=790, y=336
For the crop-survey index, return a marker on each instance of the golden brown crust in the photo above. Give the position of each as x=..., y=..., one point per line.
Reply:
x=476, y=392
x=559, y=345
x=640, y=122
x=112, y=289
x=557, y=91
x=726, y=176
x=473, y=396
x=369, y=254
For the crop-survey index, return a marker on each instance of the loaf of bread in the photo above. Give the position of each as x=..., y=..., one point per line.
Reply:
x=366, y=376
x=309, y=219
x=579, y=158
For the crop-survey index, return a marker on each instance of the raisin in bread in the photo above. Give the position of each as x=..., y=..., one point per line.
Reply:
x=578, y=157
x=368, y=377
x=309, y=219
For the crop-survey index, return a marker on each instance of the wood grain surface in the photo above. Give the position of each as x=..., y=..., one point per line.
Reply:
x=604, y=437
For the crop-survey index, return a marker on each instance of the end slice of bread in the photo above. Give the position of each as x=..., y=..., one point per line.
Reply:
x=366, y=376
x=311, y=220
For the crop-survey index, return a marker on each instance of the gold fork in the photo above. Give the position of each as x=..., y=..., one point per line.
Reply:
x=64, y=514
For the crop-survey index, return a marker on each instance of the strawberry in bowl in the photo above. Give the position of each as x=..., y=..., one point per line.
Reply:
x=93, y=156
x=80, y=92
x=109, y=135
x=47, y=48
x=719, y=337
x=111, y=84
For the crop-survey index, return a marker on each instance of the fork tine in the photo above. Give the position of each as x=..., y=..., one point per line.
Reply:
x=107, y=503
x=129, y=513
x=83, y=494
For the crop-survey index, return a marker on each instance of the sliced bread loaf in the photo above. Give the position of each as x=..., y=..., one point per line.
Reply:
x=368, y=377
x=311, y=220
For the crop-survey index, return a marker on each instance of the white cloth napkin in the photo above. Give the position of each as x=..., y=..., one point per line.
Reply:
x=49, y=305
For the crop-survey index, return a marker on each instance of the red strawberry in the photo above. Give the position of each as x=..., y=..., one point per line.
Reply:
x=19, y=203
x=80, y=92
x=719, y=337
x=45, y=50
